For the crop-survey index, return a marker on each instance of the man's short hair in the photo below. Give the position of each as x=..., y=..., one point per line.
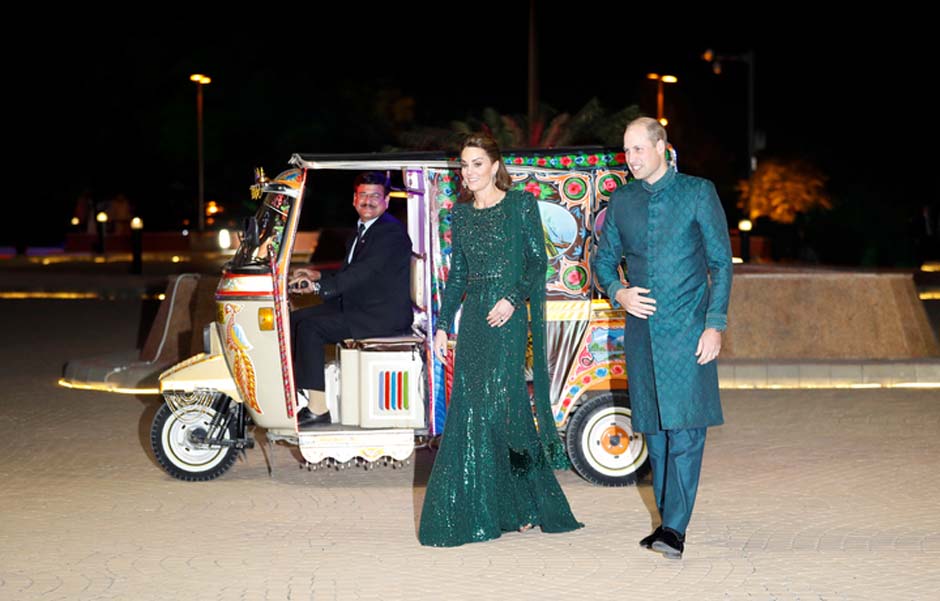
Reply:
x=372, y=178
x=654, y=130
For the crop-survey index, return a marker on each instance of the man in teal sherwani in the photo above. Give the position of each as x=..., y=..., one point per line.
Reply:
x=672, y=231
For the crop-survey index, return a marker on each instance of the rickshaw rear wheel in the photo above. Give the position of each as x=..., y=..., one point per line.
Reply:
x=601, y=443
x=177, y=442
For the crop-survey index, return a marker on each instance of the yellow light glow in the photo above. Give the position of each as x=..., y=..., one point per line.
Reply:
x=664, y=122
x=45, y=260
x=652, y=76
x=106, y=388
x=101, y=217
x=200, y=78
x=212, y=207
x=930, y=295
x=398, y=194
x=813, y=386
x=266, y=318
x=137, y=223
x=737, y=260
x=66, y=295
x=745, y=225
x=84, y=258
x=670, y=79
x=176, y=259
x=75, y=221
x=931, y=266
x=49, y=295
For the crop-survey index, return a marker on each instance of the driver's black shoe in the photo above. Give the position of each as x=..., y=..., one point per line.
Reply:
x=307, y=418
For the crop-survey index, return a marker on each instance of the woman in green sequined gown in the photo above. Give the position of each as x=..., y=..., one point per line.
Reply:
x=493, y=472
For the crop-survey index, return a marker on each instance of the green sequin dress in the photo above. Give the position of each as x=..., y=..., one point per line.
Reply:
x=493, y=472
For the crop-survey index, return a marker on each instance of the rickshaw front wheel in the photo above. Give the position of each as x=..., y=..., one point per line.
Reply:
x=178, y=442
x=601, y=443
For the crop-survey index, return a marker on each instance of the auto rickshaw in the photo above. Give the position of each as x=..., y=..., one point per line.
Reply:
x=387, y=394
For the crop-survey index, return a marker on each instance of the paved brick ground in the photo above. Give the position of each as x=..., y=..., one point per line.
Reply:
x=822, y=495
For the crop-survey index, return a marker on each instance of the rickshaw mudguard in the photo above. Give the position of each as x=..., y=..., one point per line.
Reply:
x=200, y=372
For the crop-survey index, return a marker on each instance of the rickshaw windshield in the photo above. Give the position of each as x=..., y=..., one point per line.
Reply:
x=271, y=219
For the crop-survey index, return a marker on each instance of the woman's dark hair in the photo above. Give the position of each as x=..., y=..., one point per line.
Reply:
x=488, y=145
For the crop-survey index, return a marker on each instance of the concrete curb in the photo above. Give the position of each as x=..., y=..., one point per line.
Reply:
x=818, y=373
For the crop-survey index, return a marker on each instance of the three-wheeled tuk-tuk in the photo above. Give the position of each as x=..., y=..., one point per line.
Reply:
x=386, y=394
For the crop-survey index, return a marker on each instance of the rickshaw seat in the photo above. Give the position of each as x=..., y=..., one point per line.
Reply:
x=385, y=343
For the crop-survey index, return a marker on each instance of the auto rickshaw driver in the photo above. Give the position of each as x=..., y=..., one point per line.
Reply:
x=367, y=297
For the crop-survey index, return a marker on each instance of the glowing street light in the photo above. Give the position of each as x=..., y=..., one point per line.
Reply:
x=200, y=80
x=102, y=219
x=744, y=236
x=137, y=245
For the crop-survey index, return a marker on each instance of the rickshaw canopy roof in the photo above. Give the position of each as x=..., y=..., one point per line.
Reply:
x=524, y=159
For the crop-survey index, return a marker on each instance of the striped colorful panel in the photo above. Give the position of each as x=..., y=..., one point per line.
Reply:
x=393, y=391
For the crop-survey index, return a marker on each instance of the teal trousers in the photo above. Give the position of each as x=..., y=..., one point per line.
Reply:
x=676, y=461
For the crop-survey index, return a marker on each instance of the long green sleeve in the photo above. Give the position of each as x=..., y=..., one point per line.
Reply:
x=535, y=261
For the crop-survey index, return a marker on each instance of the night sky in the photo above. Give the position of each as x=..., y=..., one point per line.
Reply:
x=114, y=111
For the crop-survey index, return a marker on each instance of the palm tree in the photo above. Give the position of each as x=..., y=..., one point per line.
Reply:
x=592, y=124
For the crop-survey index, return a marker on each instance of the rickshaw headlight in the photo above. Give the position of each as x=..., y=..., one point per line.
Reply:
x=266, y=318
x=225, y=239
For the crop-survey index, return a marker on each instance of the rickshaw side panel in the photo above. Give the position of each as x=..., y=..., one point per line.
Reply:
x=572, y=193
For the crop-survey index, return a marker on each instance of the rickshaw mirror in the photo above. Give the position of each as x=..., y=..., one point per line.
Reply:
x=250, y=229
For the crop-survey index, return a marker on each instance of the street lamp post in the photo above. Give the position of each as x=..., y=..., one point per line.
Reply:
x=660, y=80
x=102, y=220
x=748, y=59
x=200, y=80
x=137, y=245
x=744, y=237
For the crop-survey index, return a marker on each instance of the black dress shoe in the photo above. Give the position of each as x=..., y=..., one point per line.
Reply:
x=647, y=543
x=307, y=418
x=670, y=543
